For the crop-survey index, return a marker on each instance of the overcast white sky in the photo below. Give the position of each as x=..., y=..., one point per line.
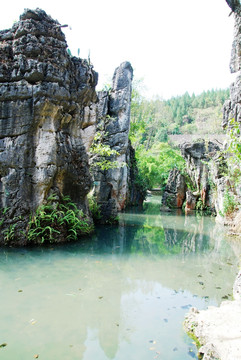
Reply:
x=175, y=45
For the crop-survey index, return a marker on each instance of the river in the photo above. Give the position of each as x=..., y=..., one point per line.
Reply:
x=121, y=294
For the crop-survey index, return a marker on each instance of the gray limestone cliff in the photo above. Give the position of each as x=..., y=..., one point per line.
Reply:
x=49, y=116
x=194, y=189
x=232, y=107
x=46, y=103
x=114, y=187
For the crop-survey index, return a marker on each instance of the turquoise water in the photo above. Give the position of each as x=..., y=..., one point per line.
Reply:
x=121, y=294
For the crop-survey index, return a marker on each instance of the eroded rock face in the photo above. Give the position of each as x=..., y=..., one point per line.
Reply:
x=112, y=186
x=47, y=103
x=175, y=191
x=197, y=156
x=232, y=107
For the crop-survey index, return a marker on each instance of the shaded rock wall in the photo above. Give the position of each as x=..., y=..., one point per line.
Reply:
x=47, y=101
x=175, y=191
x=196, y=184
x=115, y=188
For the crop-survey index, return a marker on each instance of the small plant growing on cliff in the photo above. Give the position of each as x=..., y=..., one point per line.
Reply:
x=57, y=220
x=102, y=155
x=229, y=203
x=94, y=208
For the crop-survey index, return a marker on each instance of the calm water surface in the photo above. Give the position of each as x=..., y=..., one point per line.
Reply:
x=123, y=294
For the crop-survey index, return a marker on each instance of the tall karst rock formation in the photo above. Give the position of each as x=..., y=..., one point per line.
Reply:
x=48, y=115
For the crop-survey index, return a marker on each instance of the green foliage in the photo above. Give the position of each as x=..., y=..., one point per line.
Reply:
x=152, y=121
x=229, y=203
x=235, y=142
x=102, y=155
x=57, y=219
x=9, y=233
x=94, y=208
x=155, y=164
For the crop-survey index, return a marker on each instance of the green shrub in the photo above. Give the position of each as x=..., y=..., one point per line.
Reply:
x=229, y=203
x=155, y=164
x=57, y=220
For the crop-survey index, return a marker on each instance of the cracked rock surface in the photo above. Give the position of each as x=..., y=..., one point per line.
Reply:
x=47, y=102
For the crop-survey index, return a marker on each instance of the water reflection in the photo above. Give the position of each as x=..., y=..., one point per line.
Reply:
x=121, y=295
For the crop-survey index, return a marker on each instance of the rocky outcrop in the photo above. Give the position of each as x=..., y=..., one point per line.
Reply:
x=232, y=107
x=175, y=191
x=198, y=156
x=115, y=187
x=218, y=329
x=47, y=102
x=195, y=186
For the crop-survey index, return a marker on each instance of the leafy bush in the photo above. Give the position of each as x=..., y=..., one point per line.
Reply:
x=102, y=155
x=155, y=164
x=229, y=203
x=57, y=220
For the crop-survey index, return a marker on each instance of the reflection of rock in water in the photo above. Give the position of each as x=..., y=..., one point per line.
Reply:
x=191, y=236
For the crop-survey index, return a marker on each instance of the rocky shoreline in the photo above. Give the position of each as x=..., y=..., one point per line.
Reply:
x=217, y=330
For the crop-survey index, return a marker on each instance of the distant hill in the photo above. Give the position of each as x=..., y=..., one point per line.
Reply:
x=155, y=121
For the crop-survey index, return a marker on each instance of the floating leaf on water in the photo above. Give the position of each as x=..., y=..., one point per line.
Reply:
x=229, y=263
x=100, y=297
x=3, y=345
x=20, y=290
x=218, y=287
